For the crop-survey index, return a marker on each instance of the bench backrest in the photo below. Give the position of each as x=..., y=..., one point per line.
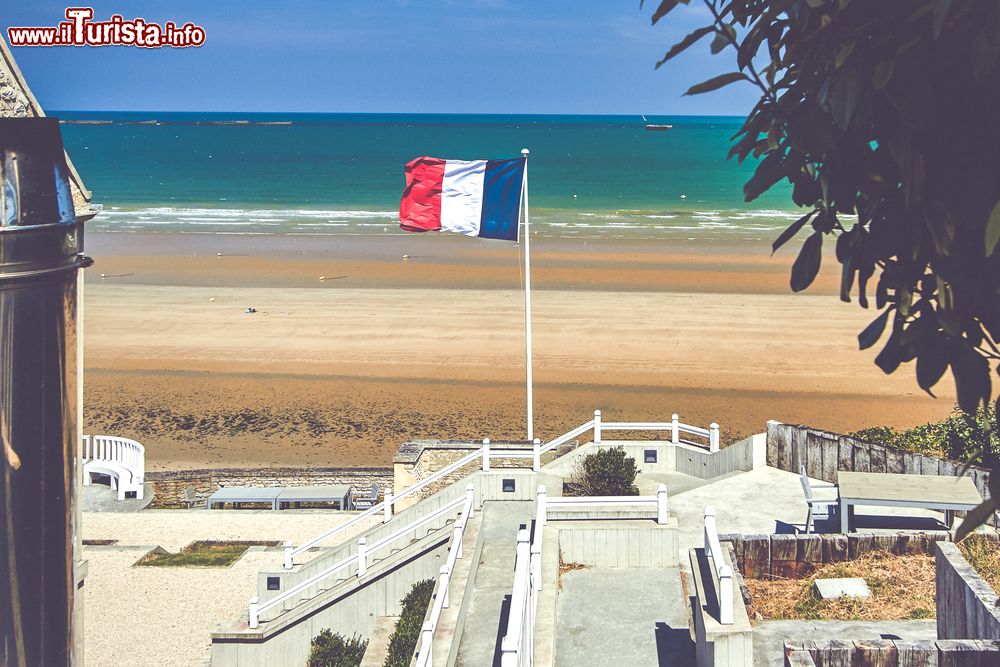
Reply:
x=374, y=491
x=190, y=495
x=806, y=488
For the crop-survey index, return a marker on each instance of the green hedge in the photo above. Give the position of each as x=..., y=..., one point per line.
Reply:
x=330, y=649
x=607, y=472
x=403, y=641
x=960, y=437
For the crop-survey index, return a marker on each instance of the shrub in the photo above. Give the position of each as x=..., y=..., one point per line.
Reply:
x=607, y=472
x=329, y=649
x=960, y=436
x=403, y=641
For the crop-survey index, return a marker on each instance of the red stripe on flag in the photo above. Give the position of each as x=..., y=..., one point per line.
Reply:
x=420, y=207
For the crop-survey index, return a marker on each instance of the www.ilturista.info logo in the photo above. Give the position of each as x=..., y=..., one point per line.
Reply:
x=81, y=30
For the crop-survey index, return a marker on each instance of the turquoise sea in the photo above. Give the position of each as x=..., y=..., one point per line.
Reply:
x=343, y=173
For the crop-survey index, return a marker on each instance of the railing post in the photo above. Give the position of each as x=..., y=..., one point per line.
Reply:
x=253, y=616
x=426, y=639
x=536, y=455
x=540, y=508
x=597, y=427
x=387, y=505
x=486, y=455
x=713, y=437
x=709, y=528
x=443, y=585
x=662, y=511
x=289, y=559
x=470, y=494
x=362, y=556
x=675, y=432
x=725, y=595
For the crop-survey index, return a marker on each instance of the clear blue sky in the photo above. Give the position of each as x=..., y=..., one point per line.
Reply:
x=418, y=56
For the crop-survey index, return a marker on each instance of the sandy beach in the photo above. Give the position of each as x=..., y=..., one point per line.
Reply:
x=339, y=372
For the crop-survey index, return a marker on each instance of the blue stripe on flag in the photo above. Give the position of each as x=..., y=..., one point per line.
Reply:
x=502, y=199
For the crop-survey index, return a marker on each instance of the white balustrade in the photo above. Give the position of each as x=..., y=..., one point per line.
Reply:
x=659, y=502
x=122, y=458
x=518, y=644
x=723, y=573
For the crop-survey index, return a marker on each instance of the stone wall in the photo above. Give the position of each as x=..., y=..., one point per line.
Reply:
x=892, y=653
x=418, y=459
x=793, y=556
x=823, y=454
x=966, y=603
x=168, y=485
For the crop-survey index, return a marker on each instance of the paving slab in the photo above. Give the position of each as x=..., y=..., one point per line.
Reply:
x=845, y=587
x=770, y=636
x=490, y=593
x=608, y=617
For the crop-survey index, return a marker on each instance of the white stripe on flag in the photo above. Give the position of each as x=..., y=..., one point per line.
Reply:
x=462, y=196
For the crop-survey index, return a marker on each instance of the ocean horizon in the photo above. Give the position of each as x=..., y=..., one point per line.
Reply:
x=342, y=173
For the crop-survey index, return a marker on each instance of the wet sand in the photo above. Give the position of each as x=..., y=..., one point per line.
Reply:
x=341, y=371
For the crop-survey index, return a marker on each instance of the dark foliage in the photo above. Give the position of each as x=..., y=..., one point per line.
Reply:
x=608, y=472
x=882, y=116
x=403, y=641
x=330, y=649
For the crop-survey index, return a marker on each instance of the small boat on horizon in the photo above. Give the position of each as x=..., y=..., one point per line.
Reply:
x=655, y=127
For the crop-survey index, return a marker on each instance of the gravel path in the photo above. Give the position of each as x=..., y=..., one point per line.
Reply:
x=164, y=616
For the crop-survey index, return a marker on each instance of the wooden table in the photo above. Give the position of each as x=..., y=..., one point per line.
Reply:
x=886, y=489
x=244, y=494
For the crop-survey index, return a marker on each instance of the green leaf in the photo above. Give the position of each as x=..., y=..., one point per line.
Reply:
x=873, y=331
x=984, y=56
x=792, y=230
x=716, y=83
x=806, y=266
x=844, y=94
x=682, y=45
x=843, y=52
x=932, y=362
x=891, y=355
x=723, y=39
x=665, y=8
x=972, y=376
x=815, y=4
x=993, y=230
x=940, y=12
x=882, y=74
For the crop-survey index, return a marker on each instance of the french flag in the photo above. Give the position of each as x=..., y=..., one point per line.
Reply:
x=472, y=197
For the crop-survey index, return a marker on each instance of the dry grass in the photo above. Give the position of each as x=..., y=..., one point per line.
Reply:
x=203, y=553
x=565, y=567
x=983, y=554
x=902, y=587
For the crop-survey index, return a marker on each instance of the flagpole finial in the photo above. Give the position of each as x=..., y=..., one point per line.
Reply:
x=524, y=152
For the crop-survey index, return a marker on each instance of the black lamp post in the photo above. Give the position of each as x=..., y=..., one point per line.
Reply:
x=40, y=245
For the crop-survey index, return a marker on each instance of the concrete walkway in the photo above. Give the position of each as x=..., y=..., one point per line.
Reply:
x=100, y=498
x=622, y=616
x=481, y=636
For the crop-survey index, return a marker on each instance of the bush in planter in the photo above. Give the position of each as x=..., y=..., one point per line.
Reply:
x=403, y=641
x=607, y=472
x=329, y=649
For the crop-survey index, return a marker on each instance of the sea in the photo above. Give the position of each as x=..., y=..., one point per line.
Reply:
x=338, y=173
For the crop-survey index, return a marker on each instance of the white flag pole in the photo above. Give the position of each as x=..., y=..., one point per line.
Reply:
x=527, y=298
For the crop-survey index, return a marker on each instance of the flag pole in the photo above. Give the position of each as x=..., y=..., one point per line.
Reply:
x=527, y=299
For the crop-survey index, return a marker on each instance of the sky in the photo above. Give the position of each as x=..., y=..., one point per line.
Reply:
x=389, y=56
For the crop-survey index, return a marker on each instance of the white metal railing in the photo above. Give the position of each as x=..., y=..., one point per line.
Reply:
x=675, y=426
x=360, y=559
x=518, y=646
x=488, y=452
x=425, y=655
x=722, y=573
x=544, y=503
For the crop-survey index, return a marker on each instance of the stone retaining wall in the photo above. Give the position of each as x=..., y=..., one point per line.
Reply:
x=823, y=454
x=794, y=556
x=966, y=603
x=892, y=653
x=169, y=485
